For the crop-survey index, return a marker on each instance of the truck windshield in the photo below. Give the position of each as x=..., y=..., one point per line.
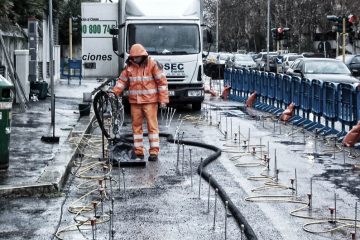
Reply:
x=165, y=39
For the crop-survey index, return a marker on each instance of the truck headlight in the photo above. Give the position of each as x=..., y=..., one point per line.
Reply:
x=195, y=93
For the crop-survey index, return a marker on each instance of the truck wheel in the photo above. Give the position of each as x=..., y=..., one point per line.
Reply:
x=196, y=106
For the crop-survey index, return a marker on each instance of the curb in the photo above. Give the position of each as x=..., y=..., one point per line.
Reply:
x=54, y=176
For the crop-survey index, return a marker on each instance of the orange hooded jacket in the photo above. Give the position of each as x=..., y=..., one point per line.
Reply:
x=147, y=82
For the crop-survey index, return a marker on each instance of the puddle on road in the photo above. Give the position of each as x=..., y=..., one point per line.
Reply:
x=347, y=178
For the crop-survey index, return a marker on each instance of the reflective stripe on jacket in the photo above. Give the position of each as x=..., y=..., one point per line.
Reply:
x=147, y=83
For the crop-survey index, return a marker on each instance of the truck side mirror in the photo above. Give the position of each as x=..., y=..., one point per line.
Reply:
x=209, y=36
x=114, y=31
x=115, y=44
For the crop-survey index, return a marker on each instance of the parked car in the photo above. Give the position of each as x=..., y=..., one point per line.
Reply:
x=260, y=59
x=288, y=60
x=325, y=69
x=223, y=57
x=273, y=62
x=312, y=55
x=242, y=61
x=352, y=62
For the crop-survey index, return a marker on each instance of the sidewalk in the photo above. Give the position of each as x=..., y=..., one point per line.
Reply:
x=36, y=166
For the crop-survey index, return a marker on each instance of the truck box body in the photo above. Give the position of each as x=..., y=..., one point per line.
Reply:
x=99, y=60
x=170, y=30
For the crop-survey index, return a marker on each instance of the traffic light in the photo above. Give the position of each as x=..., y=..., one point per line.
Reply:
x=285, y=34
x=280, y=33
x=349, y=22
x=76, y=24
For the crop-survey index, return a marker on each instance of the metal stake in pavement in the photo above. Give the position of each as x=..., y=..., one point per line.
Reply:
x=191, y=172
x=356, y=206
x=123, y=173
x=216, y=193
x=201, y=161
x=182, y=160
x=226, y=212
x=242, y=228
x=208, y=207
x=249, y=140
x=93, y=228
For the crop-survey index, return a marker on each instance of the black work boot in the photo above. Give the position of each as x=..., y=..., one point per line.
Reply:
x=153, y=158
x=136, y=156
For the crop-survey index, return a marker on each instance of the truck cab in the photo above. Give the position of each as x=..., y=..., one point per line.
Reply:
x=170, y=31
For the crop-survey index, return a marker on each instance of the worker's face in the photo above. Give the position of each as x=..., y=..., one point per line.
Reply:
x=137, y=59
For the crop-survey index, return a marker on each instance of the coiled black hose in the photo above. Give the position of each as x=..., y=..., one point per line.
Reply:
x=240, y=219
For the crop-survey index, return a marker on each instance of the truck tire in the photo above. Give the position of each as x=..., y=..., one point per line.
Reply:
x=196, y=106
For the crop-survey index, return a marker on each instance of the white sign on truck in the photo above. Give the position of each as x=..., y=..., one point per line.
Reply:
x=98, y=58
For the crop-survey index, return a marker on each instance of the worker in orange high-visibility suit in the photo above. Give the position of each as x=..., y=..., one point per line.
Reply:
x=148, y=86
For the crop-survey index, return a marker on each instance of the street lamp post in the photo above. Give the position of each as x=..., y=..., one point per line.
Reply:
x=53, y=138
x=217, y=25
x=268, y=35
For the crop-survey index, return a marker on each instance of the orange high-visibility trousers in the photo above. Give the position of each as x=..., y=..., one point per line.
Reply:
x=149, y=111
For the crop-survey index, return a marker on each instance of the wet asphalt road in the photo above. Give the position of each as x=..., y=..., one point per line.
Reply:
x=159, y=202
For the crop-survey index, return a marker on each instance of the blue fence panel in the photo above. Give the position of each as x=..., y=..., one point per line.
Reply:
x=233, y=81
x=252, y=80
x=271, y=82
x=317, y=99
x=247, y=81
x=286, y=88
x=306, y=97
x=240, y=82
x=330, y=94
x=346, y=112
x=296, y=92
x=357, y=95
x=258, y=79
x=227, y=76
x=72, y=68
x=238, y=89
x=279, y=89
x=265, y=86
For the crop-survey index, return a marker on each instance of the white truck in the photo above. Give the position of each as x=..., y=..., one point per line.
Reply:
x=170, y=30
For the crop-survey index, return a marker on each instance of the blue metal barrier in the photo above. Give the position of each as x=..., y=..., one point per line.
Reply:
x=271, y=88
x=252, y=81
x=286, y=88
x=357, y=94
x=72, y=68
x=346, y=116
x=235, y=84
x=247, y=82
x=240, y=84
x=279, y=90
x=316, y=101
x=330, y=103
x=257, y=81
x=327, y=102
x=264, y=87
x=227, y=77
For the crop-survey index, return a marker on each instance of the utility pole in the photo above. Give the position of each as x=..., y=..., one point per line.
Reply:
x=343, y=37
x=217, y=25
x=70, y=38
x=53, y=138
x=268, y=36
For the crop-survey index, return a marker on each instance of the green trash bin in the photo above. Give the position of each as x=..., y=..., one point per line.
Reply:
x=5, y=117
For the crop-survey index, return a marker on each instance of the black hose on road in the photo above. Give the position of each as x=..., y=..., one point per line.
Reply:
x=240, y=219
